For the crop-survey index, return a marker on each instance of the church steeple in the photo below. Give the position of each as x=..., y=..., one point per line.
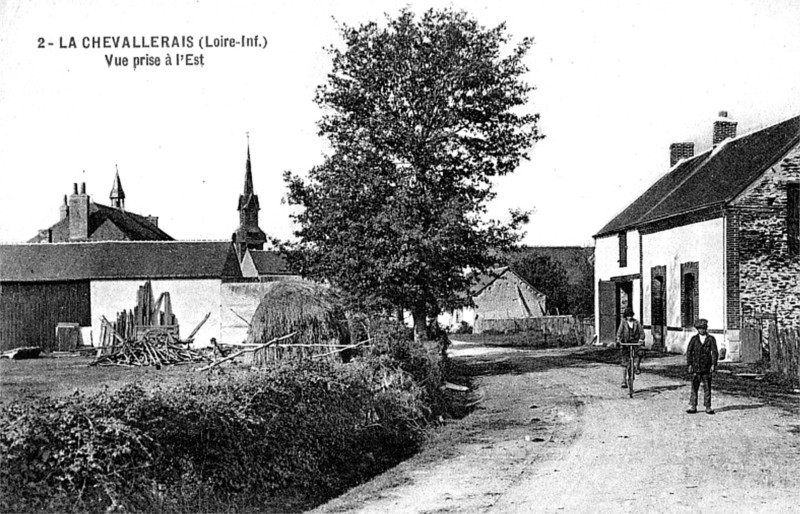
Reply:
x=117, y=195
x=248, y=235
x=248, y=197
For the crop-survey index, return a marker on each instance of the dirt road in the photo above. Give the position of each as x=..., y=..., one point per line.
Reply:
x=554, y=432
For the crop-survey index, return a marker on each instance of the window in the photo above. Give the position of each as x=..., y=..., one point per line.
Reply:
x=793, y=218
x=690, y=293
x=623, y=250
x=658, y=292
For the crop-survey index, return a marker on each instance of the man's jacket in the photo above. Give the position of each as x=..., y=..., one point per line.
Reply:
x=626, y=334
x=702, y=356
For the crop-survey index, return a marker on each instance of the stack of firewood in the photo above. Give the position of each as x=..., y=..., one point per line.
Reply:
x=147, y=313
x=156, y=347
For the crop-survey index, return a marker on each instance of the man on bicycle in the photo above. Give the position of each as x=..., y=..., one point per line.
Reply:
x=630, y=331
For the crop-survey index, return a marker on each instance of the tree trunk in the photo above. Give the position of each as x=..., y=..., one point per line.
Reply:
x=420, y=324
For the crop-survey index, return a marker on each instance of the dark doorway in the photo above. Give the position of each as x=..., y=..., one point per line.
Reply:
x=658, y=304
x=624, y=299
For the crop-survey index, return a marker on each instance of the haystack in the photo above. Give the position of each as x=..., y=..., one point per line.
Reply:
x=313, y=311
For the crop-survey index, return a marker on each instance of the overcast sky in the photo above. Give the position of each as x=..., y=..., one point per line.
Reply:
x=617, y=82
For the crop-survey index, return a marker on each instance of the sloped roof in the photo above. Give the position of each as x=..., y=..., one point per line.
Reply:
x=117, y=260
x=484, y=280
x=134, y=226
x=269, y=263
x=709, y=179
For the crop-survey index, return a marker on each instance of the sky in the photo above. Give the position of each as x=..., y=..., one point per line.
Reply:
x=616, y=83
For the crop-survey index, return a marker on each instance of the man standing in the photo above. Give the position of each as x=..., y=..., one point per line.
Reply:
x=629, y=331
x=701, y=357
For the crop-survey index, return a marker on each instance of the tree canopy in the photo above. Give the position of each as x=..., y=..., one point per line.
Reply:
x=420, y=114
x=548, y=277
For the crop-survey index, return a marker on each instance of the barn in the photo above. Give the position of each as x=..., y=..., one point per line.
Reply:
x=499, y=294
x=42, y=285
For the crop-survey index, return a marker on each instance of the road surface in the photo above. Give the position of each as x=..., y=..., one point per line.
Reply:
x=556, y=433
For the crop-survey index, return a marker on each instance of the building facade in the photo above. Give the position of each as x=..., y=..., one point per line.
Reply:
x=499, y=294
x=716, y=237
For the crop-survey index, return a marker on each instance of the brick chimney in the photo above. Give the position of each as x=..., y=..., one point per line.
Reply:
x=153, y=220
x=723, y=128
x=678, y=151
x=79, y=214
x=64, y=209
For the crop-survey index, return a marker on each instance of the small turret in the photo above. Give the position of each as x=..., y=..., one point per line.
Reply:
x=117, y=195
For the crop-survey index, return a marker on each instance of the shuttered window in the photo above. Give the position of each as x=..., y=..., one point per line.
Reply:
x=623, y=250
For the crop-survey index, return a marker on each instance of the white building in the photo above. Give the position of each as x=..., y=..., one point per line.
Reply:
x=716, y=237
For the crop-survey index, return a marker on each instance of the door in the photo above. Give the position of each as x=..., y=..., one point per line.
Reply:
x=607, y=311
x=658, y=303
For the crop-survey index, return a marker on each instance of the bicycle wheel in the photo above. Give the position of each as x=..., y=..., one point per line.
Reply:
x=631, y=374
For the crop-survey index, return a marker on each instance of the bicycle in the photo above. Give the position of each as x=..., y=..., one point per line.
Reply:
x=631, y=375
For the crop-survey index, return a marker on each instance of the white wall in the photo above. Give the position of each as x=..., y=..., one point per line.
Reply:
x=606, y=256
x=453, y=319
x=239, y=301
x=606, y=265
x=699, y=242
x=191, y=301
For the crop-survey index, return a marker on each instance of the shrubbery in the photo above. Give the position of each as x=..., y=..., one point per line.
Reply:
x=223, y=441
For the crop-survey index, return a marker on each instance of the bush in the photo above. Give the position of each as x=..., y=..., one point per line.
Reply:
x=218, y=441
x=393, y=347
x=464, y=328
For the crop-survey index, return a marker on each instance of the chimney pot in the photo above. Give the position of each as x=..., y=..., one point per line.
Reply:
x=83, y=188
x=724, y=128
x=74, y=188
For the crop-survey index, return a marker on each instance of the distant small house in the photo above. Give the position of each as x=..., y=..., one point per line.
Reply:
x=499, y=294
x=717, y=237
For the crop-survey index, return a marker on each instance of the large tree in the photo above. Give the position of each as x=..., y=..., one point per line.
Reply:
x=421, y=114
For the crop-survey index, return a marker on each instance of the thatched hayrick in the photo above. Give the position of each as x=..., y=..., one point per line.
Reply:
x=312, y=310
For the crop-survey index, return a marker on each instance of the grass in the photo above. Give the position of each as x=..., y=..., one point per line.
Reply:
x=55, y=377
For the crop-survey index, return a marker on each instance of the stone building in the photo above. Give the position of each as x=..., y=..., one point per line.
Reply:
x=499, y=294
x=81, y=219
x=716, y=237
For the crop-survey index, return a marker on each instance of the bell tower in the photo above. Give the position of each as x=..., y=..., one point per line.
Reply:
x=117, y=195
x=249, y=235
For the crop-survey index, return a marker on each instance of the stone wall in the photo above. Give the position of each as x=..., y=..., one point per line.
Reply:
x=769, y=275
x=567, y=329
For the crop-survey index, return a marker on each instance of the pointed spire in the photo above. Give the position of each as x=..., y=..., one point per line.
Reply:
x=248, y=235
x=248, y=194
x=248, y=173
x=117, y=195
